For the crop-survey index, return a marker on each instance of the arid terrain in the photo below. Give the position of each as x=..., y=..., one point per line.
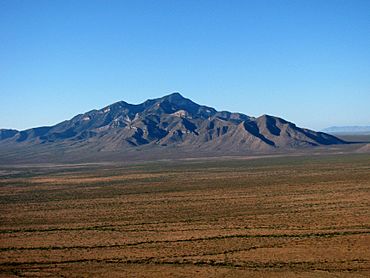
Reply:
x=303, y=216
x=169, y=127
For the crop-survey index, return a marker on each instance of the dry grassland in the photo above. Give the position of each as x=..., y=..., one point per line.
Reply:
x=270, y=217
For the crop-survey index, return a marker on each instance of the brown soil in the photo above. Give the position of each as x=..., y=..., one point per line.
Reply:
x=272, y=217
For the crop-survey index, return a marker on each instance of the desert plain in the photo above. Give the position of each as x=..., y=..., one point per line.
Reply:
x=297, y=216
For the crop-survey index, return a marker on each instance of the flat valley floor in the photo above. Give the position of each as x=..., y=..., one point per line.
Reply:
x=266, y=217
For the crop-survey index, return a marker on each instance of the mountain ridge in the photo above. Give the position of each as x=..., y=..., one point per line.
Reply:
x=169, y=121
x=347, y=129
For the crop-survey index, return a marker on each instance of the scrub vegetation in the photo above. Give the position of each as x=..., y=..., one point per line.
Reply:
x=306, y=216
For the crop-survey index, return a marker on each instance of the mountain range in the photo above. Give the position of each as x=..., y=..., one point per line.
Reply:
x=348, y=130
x=171, y=123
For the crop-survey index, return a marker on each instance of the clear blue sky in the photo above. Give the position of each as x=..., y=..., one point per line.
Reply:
x=307, y=61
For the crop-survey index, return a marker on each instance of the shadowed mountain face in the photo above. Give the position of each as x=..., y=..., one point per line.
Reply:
x=168, y=121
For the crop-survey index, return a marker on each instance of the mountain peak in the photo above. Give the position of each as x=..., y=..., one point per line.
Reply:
x=175, y=94
x=174, y=97
x=169, y=120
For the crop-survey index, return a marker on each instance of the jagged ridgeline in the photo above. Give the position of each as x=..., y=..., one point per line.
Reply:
x=167, y=122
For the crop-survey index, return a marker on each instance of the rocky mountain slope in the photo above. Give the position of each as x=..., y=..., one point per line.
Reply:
x=170, y=121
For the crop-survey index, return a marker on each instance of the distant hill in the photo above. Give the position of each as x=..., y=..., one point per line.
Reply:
x=171, y=124
x=348, y=130
x=364, y=149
